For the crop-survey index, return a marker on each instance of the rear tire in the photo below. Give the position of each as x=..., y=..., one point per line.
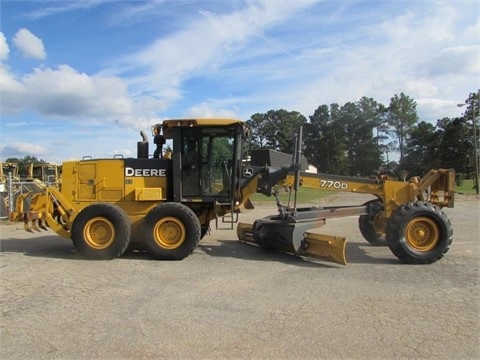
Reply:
x=172, y=231
x=419, y=233
x=372, y=225
x=101, y=231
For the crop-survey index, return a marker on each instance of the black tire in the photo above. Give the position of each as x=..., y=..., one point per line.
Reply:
x=101, y=231
x=172, y=231
x=262, y=236
x=372, y=225
x=419, y=233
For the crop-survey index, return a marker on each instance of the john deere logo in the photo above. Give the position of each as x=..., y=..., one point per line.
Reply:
x=247, y=172
x=145, y=172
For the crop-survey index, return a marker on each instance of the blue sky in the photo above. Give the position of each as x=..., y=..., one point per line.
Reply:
x=82, y=78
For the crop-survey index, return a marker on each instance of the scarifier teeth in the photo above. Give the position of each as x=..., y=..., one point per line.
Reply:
x=41, y=225
x=35, y=225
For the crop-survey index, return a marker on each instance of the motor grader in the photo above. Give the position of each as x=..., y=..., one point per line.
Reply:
x=22, y=182
x=167, y=202
x=50, y=174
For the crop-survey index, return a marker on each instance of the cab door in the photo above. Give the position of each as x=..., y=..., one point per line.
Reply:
x=203, y=160
x=191, y=163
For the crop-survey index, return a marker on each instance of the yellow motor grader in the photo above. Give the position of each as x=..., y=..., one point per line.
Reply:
x=8, y=169
x=17, y=188
x=50, y=174
x=168, y=202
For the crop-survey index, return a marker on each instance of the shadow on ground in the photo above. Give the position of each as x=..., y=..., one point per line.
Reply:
x=59, y=248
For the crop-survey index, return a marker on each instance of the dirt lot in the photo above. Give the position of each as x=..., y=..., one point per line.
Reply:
x=234, y=300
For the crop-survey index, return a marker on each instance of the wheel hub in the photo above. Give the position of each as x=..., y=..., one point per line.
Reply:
x=170, y=233
x=422, y=234
x=99, y=233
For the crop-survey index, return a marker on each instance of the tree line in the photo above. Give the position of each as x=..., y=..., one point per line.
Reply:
x=359, y=138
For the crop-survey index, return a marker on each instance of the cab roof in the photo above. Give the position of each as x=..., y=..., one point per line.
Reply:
x=200, y=122
x=168, y=125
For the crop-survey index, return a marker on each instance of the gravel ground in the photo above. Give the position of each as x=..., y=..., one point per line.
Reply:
x=235, y=300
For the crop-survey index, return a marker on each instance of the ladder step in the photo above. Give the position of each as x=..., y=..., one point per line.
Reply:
x=230, y=217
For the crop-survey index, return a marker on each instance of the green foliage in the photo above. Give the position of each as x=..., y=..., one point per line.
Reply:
x=346, y=140
x=402, y=116
x=473, y=103
x=356, y=138
x=456, y=147
x=457, y=150
x=323, y=138
x=275, y=129
x=421, y=149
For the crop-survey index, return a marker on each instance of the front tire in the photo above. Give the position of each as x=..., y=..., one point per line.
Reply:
x=372, y=225
x=172, y=231
x=101, y=231
x=419, y=233
x=263, y=237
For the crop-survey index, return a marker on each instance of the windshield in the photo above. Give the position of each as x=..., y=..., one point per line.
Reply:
x=207, y=162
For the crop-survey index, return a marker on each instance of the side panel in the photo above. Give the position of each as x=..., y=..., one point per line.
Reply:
x=86, y=176
x=100, y=180
x=69, y=181
x=117, y=180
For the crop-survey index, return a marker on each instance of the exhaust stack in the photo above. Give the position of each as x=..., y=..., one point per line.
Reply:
x=142, y=146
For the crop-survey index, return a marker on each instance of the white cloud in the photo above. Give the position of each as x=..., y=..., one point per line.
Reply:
x=59, y=7
x=422, y=87
x=74, y=95
x=29, y=45
x=19, y=149
x=204, y=110
x=125, y=152
x=451, y=60
x=4, y=49
x=12, y=92
x=243, y=57
x=203, y=46
x=416, y=52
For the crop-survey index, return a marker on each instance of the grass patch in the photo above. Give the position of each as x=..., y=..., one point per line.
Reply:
x=466, y=187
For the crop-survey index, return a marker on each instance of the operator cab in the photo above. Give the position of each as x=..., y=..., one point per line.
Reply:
x=206, y=158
